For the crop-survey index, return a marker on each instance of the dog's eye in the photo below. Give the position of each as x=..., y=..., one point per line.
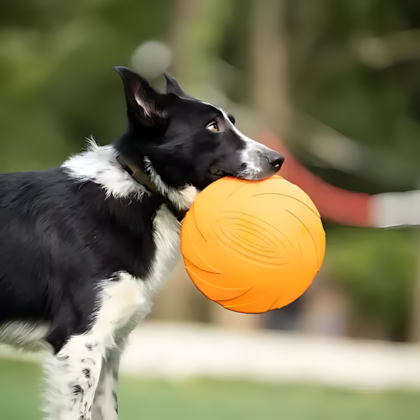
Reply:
x=213, y=126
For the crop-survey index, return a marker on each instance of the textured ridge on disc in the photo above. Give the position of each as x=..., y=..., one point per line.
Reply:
x=252, y=246
x=192, y=236
x=229, y=229
x=216, y=292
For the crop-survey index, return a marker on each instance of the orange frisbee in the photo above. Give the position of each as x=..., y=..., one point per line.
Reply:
x=252, y=246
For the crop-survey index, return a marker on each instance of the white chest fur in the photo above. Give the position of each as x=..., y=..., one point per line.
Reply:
x=166, y=235
x=123, y=303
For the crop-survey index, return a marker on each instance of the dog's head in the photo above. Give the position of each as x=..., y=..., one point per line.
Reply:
x=185, y=140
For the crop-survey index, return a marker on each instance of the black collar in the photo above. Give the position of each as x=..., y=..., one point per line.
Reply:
x=144, y=179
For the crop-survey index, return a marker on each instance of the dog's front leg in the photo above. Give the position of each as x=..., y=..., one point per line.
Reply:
x=105, y=405
x=72, y=378
x=75, y=372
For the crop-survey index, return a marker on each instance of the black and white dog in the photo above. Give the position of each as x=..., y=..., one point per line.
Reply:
x=85, y=246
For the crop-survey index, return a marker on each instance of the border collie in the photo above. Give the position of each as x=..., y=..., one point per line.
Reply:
x=85, y=246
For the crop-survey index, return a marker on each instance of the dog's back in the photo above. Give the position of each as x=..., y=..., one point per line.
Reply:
x=42, y=266
x=26, y=207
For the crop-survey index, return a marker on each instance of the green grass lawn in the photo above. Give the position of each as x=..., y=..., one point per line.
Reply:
x=214, y=400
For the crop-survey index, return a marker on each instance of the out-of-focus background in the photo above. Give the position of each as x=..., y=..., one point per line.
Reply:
x=332, y=84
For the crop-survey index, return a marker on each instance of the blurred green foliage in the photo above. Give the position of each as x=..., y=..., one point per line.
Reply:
x=370, y=101
x=376, y=105
x=56, y=82
x=375, y=268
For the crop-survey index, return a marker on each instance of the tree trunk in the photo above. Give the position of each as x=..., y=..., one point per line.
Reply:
x=269, y=63
x=195, y=38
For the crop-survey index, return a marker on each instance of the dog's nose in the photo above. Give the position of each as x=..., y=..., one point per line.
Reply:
x=275, y=159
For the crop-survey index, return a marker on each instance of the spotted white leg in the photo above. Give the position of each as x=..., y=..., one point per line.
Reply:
x=105, y=405
x=72, y=378
x=74, y=373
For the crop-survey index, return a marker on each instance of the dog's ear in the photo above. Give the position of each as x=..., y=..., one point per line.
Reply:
x=143, y=102
x=172, y=86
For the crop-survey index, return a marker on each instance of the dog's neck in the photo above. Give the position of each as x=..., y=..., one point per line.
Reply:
x=100, y=165
x=145, y=179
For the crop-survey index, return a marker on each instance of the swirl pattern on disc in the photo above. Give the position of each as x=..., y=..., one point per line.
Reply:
x=251, y=238
x=252, y=246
